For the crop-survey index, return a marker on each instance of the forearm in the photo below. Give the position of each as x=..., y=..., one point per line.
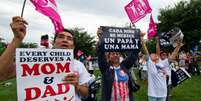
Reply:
x=8, y=56
x=8, y=74
x=82, y=89
x=158, y=50
x=102, y=61
x=175, y=52
x=144, y=47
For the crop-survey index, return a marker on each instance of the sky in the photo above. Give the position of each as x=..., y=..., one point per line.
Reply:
x=87, y=14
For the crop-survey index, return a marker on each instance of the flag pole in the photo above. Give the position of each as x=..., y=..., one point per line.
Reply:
x=23, y=8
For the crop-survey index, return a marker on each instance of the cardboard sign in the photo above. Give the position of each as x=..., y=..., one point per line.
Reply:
x=171, y=37
x=120, y=39
x=179, y=76
x=164, y=41
x=40, y=73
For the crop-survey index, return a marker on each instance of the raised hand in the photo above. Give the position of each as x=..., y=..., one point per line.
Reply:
x=72, y=78
x=142, y=34
x=18, y=26
x=99, y=32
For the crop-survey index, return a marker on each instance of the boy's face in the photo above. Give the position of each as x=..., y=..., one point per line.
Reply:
x=64, y=40
x=163, y=56
x=154, y=57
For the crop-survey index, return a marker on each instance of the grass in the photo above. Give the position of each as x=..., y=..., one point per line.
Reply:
x=189, y=90
x=8, y=93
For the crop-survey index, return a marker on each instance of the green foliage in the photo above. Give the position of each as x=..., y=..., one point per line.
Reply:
x=84, y=42
x=185, y=15
x=23, y=45
x=2, y=47
x=8, y=93
x=151, y=45
x=28, y=45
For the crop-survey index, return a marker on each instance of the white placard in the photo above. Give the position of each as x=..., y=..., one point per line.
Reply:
x=40, y=73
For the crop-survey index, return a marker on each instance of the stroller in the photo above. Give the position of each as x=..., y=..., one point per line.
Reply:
x=94, y=87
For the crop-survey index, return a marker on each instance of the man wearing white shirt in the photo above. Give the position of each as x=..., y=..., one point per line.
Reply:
x=62, y=40
x=157, y=73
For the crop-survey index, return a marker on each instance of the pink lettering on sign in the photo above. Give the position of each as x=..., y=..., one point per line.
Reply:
x=137, y=9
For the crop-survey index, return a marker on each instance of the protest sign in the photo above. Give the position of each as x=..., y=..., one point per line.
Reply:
x=137, y=9
x=164, y=40
x=120, y=39
x=176, y=35
x=179, y=76
x=40, y=73
x=170, y=38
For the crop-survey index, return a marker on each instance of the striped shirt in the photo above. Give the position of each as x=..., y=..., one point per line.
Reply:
x=120, y=91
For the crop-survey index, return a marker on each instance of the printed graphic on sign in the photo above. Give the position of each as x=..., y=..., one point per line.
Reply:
x=40, y=73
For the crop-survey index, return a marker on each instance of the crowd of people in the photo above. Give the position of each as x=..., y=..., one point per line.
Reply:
x=116, y=77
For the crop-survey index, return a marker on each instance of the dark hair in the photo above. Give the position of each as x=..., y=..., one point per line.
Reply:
x=65, y=30
x=161, y=52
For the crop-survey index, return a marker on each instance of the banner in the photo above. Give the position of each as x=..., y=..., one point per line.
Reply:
x=49, y=8
x=40, y=73
x=137, y=9
x=152, y=28
x=120, y=39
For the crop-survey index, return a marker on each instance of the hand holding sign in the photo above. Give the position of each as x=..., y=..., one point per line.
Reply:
x=99, y=32
x=142, y=34
x=180, y=43
x=72, y=78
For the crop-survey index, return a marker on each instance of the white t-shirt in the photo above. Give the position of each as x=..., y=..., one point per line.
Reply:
x=166, y=64
x=84, y=76
x=156, y=80
x=144, y=66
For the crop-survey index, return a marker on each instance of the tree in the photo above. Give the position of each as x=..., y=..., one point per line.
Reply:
x=28, y=45
x=185, y=15
x=84, y=42
x=3, y=46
